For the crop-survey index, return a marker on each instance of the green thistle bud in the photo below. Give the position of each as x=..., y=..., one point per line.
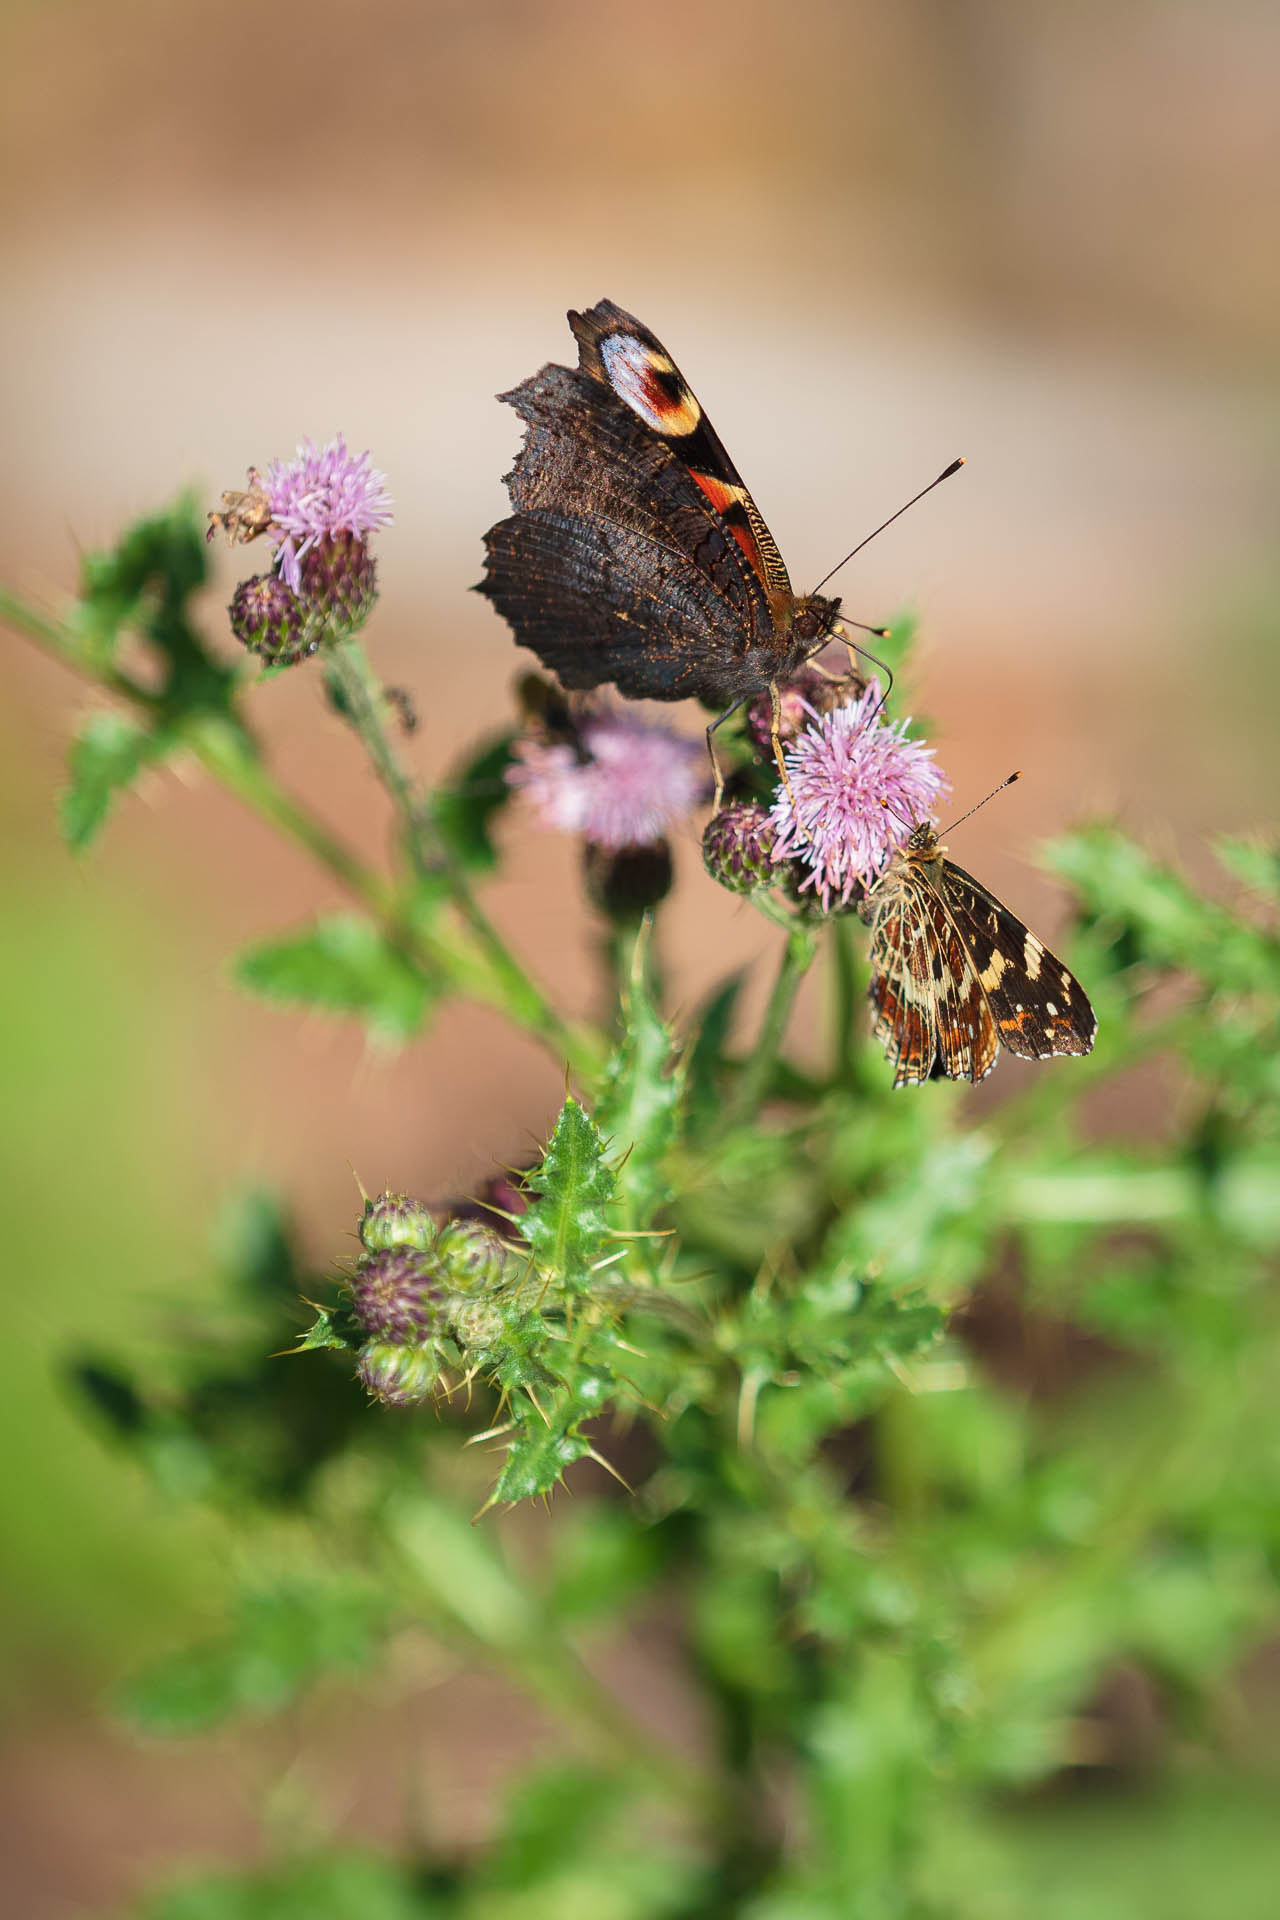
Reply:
x=398, y=1376
x=397, y=1294
x=623, y=883
x=737, y=847
x=471, y=1257
x=477, y=1326
x=394, y=1220
x=272, y=622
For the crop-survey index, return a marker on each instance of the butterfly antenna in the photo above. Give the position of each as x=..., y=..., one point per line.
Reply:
x=944, y=475
x=982, y=803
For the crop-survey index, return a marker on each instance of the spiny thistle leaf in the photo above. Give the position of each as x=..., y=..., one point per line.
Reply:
x=342, y=964
x=321, y=1333
x=536, y=1460
x=640, y=1107
x=106, y=758
x=1168, y=923
x=567, y=1224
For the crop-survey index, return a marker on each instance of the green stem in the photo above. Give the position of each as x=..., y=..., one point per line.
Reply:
x=797, y=957
x=845, y=1009
x=362, y=702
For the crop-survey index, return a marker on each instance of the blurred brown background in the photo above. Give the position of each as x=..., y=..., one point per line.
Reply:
x=873, y=235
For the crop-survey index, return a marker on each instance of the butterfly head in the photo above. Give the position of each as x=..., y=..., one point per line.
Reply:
x=815, y=618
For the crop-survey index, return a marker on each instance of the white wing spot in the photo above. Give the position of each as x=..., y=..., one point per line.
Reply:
x=1050, y=1008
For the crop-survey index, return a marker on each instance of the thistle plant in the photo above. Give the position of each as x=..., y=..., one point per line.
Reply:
x=779, y=1325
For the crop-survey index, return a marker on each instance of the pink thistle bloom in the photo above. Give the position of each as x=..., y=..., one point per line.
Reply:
x=318, y=495
x=842, y=767
x=636, y=781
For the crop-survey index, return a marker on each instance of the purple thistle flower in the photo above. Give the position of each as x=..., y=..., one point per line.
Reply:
x=635, y=781
x=318, y=495
x=842, y=768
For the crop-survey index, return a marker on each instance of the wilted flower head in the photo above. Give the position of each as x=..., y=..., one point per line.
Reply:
x=318, y=495
x=624, y=785
x=843, y=769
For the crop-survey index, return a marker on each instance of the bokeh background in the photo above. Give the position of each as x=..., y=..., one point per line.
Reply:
x=874, y=233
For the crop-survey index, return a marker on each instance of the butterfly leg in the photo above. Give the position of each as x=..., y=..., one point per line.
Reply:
x=716, y=768
x=775, y=738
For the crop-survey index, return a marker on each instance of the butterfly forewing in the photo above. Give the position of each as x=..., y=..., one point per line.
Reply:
x=1039, y=1007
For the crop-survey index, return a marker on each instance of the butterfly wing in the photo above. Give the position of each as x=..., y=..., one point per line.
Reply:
x=1039, y=1007
x=614, y=566
x=928, y=1011
x=615, y=349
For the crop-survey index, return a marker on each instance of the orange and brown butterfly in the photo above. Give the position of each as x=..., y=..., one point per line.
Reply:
x=955, y=976
x=635, y=553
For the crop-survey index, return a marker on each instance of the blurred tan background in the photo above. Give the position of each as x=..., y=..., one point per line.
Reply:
x=873, y=235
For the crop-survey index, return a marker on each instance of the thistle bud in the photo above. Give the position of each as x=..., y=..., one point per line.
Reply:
x=397, y=1294
x=394, y=1220
x=397, y=1376
x=477, y=1326
x=272, y=622
x=338, y=584
x=737, y=847
x=472, y=1259
x=623, y=883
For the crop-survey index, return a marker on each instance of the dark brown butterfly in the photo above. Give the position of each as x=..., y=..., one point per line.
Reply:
x=635, y=553
x=954, y=974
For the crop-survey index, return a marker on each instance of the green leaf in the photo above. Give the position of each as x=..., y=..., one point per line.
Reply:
x=536, y=1459
x=342, y=964
x=339, y=1886
x=706, y=1056
x=321, y=1333
x=106, y=757
x=1255, y=863
x=640, y=1104
x=1163, y=919
x=145, y=585
x=566, y=1224
x=465, y=810
x=281, y=1640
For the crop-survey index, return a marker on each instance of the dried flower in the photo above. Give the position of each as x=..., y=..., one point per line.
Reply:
x=317, y=496
x=807, y=693
x=397, y=1294
x=624, y=786
x=398, y=1376
x=858, y=785
x=737, y=846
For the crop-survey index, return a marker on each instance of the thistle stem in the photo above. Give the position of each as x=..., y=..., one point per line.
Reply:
x=845, y=999
x=362, y=702
x=797, y=957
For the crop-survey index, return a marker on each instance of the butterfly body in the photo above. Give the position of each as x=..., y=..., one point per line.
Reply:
x=955, y=975
x=634, y=554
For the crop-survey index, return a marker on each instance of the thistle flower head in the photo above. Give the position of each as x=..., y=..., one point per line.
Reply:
x=626, y=783
x=272, y=622
x=318, y=495
x=473, y=1259
x=857, y=787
